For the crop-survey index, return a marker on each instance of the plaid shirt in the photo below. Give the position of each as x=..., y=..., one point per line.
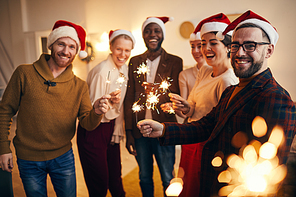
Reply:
x=264, y=97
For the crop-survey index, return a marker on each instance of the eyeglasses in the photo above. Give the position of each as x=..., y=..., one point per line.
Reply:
x=247, y=46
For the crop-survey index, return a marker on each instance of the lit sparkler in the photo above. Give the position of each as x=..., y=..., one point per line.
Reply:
x=142, y=69
x=257, y=171
x=121, y=79
x=165, y=86
x=152, y=100
x=107, y=83
x=137, y=108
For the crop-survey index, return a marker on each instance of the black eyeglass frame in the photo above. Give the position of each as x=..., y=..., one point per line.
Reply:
x=243, y=45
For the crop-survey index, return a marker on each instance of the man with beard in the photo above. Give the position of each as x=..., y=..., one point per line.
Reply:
x=257, y=94
x=161, y=66
x=48, y=98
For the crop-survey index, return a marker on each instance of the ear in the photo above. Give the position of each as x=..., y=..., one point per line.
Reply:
x=269, y=51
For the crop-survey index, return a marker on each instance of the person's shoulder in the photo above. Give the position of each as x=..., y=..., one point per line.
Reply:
x=230, y=76
x=187, y=71
x=136, y=57
x=24, y=68
x=206, y=69
x=172, y=56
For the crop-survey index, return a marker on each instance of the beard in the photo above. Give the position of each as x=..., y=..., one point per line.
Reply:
x=54, y=56
x=254, y=68
x=157, y=47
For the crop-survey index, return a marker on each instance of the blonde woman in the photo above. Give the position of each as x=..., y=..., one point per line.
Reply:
x=99, y=149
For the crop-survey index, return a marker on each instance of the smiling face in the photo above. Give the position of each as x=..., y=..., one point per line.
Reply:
x=63, y=51
x=153, y=37
x=247, y=64
x=121, y=49
x=196, y=52
x=213, y=50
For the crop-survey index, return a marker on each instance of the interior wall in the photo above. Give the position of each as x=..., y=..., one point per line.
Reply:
x=98, y=16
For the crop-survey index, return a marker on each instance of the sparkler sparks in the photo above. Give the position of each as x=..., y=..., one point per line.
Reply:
x=142, y=69
x=121, y=79
x=137, y=108
x=152, y=100
x=165, y=85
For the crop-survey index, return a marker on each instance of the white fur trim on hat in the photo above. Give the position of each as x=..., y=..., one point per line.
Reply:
x=212, y=26
x=154, y=20
x=63, y=31
x=122, y=32
x=269, y=30
x=194, y=36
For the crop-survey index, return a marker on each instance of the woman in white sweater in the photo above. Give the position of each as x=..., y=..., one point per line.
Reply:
x=211, y=81
x=99, y=149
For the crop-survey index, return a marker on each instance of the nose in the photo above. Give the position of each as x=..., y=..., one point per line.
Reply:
x=195, y=49
x=66, y=50
x=240, y=51
x=208, y=47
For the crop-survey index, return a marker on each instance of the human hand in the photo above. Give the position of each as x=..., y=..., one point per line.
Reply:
x=115, y=96
x=150, y=87
x=130, y=143
x=101, y=105
x=179, y=103
x=6, y=162
x=150, y=128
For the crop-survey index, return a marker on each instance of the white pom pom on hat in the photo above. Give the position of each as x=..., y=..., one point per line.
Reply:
x=64, y=28
x=251, y=17
x=158, y=20
x=114, y=33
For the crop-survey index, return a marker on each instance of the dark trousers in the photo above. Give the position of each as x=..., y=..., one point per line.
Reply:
x=101, y=162
x=5, y=184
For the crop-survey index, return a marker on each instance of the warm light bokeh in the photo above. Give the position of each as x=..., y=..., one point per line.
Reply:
x=259, y=126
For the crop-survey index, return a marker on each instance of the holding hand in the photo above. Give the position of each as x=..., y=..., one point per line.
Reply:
x=115, y=96
x=179, y=103
x=150, y=87
x=6, y=162
x=150, y=128
x=101, y=105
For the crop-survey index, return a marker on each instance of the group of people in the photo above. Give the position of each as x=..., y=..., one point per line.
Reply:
x=216, y=98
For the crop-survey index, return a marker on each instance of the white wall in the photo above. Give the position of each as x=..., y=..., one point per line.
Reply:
x=99, y=16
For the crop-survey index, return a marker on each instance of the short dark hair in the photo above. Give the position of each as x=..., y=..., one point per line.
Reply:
x=226, y=41
x=227, y=38
x=246, y=25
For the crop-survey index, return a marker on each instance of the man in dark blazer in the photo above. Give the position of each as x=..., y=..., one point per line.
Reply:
x=257, y=94
x=162, y=66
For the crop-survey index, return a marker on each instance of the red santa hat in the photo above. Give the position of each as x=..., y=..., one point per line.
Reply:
x=251, y=17
x=63, y=28
x=158, y=20
x=114, y=33
x=217, y=22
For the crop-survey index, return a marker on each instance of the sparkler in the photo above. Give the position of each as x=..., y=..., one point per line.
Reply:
x=137, y=108
x=152, y=100
x=165, y=84
x=107, y=83
x=121, y=79
x=142, y=69
x=256, y=172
